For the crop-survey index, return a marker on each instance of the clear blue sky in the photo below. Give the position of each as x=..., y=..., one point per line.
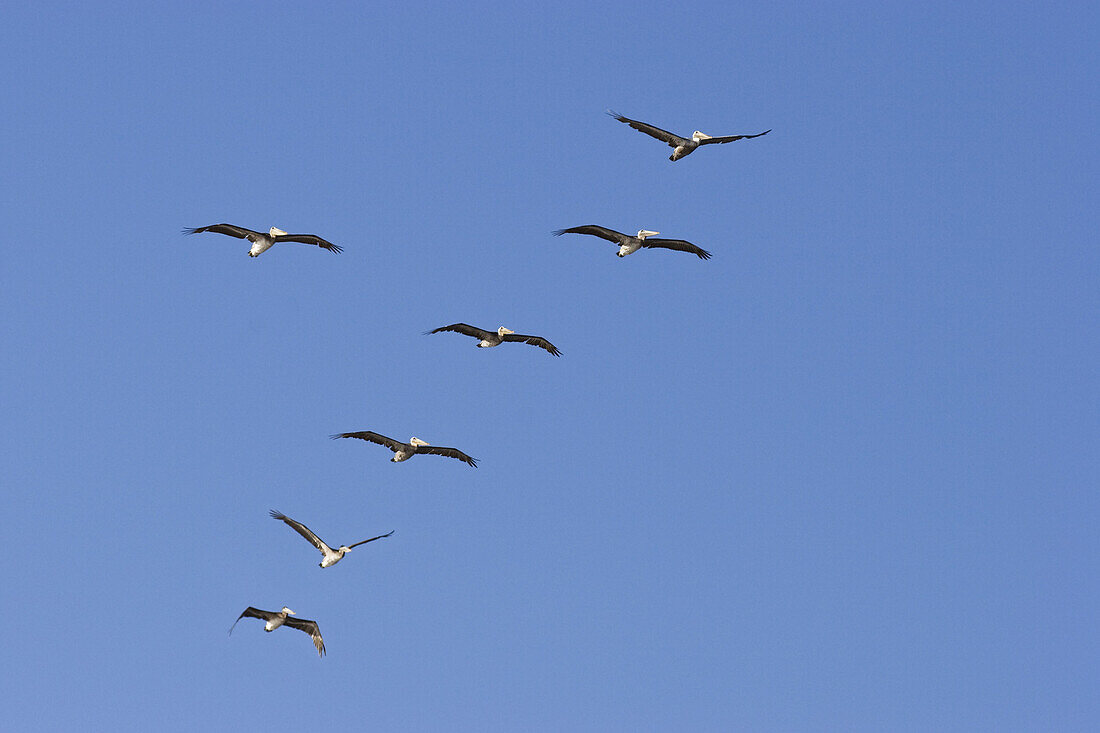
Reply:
x=843, y=476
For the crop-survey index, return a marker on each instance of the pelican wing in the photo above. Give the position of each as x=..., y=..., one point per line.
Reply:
x=302, y=530
x=597, y=231
x=310, y=627
x=372, y=539
x=310, y=239
x=729, y=138
x=538, y=341
x=251, y=612
x=648, y=129
x=677, y=244
x=449, y=452
x=227, y=229
x=464, y=328
x=394, y=445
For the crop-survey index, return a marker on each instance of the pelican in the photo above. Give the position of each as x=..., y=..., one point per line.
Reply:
x=275, y=619
x=630, y=245
x=405, y=451
x=263, y=242
x=489, y=339
x=331, y=556
x=681, y=146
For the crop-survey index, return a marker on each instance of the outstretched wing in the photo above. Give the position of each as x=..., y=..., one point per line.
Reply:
x=463, y=328
x=251, y=612
x=390, y=443
x=538, y=341
x=648, y=129
x=302, y=530
x=595, y=230
x=372, y=539
x=677, y=244
x=311, y=628
x=310, y=239
x=449, y=452
x=227, y=229
x=730, y=138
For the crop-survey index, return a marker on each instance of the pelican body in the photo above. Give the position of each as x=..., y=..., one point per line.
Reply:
x=489, y=339
x=331, y=556
x=405, y=451
x=263, y=242
x=629, y=245
x=681, y=146
x=274, y=619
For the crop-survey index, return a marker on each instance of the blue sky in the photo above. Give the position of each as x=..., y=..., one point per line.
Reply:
x=842, y=476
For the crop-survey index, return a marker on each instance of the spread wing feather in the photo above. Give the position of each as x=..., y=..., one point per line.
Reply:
x=372, y=437
x=595, y=230
x=302, y=530
x=251, y=612
x=311, y=628
x=436, y=450
x=729, y=138
x=310, y=239
x=677, y=244
x=662, y=135
x=534, y=341
x=227, y=229
x=465, y=329
x=372, y=539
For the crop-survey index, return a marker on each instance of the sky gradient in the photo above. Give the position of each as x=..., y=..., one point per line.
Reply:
x=842, y=476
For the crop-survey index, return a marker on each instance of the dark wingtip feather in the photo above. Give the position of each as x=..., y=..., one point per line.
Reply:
x=558, y=232
x=189, y=230
x=277, y=515
x=612, y=113
x=704, y=255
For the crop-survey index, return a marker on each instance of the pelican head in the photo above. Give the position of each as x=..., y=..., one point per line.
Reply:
x=502, y=330
x=275, y=232
x=418, y=441
x=288, y=612
x=697, y=136
x=343, y=549
x=643, y=233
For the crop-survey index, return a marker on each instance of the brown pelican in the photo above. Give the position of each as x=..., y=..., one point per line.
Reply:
x=681, y=146
x=488, y=339
x=275, y=619
x=630, y=245
x=263, y=242
x=405, y=451
x=331, y=556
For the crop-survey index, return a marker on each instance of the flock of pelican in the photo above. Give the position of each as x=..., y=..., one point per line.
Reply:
x=627, y=244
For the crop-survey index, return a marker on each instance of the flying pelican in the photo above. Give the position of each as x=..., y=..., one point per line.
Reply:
x=275, y=619
x=263, y=242
x=488, y=339
x=681, y=146
x=405, y=451
x=331, y=556
x=630, y=245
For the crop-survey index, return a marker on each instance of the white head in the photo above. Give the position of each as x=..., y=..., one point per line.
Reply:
x=643, y=233
x=418, y=441
x=697, y=136
x=275, y=232
x=343, y=549
x=288, y=612
x=502, y=330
